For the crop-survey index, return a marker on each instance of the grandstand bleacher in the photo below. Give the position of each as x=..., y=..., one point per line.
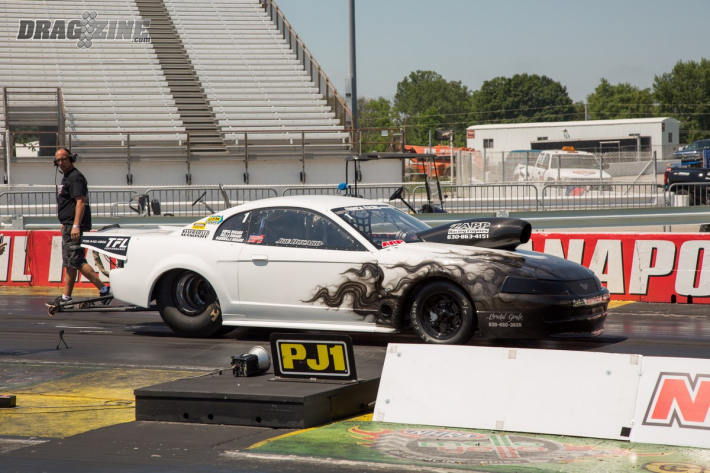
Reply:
x=218, y=77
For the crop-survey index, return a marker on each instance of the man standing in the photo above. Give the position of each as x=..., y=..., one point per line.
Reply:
x=74, y=214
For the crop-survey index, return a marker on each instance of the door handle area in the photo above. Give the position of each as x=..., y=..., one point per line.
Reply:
x=259, y=259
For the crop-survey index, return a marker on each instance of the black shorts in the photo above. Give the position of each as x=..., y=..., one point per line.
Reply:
x=73, y=255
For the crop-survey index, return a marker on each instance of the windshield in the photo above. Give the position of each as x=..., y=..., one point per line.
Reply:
x=381, y=224
x=700, y=144
x=575, y=161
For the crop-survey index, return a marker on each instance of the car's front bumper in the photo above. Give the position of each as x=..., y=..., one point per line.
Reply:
x=535, y=316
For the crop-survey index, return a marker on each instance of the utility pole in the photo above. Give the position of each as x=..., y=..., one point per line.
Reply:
x=353, y=72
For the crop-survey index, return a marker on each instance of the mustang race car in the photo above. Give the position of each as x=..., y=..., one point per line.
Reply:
x=349, y=264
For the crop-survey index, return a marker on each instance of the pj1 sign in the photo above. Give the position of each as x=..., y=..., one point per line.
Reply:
x=649, y=267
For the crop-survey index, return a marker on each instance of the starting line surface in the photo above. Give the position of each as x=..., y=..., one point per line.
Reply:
x=58, y=401
x=359, y=441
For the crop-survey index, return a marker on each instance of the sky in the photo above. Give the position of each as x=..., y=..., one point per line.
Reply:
x=573, y=42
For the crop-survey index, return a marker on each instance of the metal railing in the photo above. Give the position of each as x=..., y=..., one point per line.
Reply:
x=482, y=197
x=573, y=196
x=315, y=71
x=687, y=194
x=198, y=201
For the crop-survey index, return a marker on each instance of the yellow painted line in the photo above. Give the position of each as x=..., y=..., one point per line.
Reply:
x=613, y=304
x=80, y=403
x=360, y=418
x=282, y=436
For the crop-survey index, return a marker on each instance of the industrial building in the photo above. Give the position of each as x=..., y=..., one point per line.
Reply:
x=628, y=136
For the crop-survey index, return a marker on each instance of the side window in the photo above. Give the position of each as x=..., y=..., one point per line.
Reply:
x=233, y=229
x=541, y=160
x=297, y=228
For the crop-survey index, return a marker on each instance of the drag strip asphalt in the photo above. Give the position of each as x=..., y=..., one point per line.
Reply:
x=76, y=411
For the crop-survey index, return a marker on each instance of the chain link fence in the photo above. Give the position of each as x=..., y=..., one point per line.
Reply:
x=607, y=164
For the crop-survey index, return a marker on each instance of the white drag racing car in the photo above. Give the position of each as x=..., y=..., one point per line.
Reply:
x=349, y=264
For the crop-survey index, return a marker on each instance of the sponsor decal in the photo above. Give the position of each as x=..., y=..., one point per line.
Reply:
x=385, y=244
x=257, y=239
x=468, y=230
x=448, y=446
x=236, y=236
x=313, y=356
x=198, y=226
x=681, y=399
x=505, y=320
x=214, y=220
x=299, y=242
x=366, y=207
x=590, y=301
x=116, y=246
x=189, y=232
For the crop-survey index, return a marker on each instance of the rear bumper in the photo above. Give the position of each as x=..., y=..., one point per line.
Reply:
x=127, y=288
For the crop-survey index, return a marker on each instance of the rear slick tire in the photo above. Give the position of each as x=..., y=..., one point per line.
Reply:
x=189, y=305
x=442, y=313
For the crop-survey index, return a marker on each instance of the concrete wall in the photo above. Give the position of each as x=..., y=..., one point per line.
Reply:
x=161, y=173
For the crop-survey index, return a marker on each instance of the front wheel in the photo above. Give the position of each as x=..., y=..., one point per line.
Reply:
x=441, y=313
x=189, y=305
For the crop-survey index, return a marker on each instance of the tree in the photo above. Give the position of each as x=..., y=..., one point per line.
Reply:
x=376, y=113
x=684, y=93
x=522, y=98
x=426, y=101
x=619, y=101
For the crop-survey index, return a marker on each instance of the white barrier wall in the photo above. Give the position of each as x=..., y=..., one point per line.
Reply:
x=603, y=395
x=523, y=390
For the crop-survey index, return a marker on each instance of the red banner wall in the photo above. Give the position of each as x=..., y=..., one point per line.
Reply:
x=651, y=267
x=34, y=258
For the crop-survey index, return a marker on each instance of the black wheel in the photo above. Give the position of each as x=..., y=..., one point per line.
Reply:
x=441, y=313
x=189, y=305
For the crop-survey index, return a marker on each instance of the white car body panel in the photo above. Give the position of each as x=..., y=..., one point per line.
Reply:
x=325, y=280
x=287, y=273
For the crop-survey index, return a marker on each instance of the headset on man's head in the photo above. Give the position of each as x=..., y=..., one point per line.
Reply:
x=72, y=156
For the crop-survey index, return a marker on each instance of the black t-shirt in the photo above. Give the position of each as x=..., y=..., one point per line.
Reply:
x=73, y=185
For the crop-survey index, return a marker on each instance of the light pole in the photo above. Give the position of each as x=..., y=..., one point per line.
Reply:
x=638, y=145
x=353, y=69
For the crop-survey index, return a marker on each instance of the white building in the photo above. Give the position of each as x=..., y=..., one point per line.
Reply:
x=643, y=135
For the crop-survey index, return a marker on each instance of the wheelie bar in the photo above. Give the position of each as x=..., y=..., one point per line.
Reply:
x=94, y=304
